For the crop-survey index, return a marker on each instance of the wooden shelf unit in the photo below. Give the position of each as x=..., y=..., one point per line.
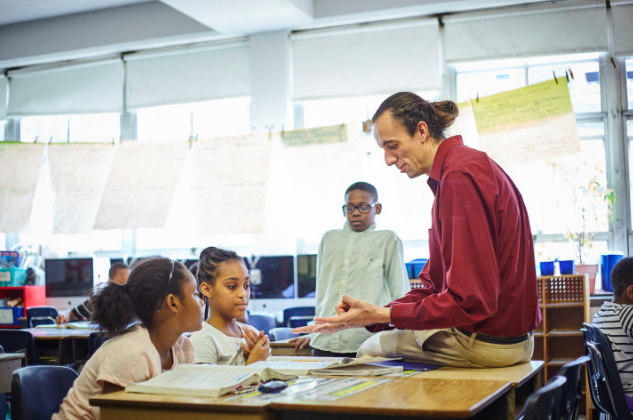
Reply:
x=558, y=340
x=31, y=296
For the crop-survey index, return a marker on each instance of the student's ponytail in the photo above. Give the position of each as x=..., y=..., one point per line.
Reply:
x=115, y=307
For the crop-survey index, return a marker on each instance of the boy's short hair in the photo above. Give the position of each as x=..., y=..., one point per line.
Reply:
x=114, y=268
x=622, y=275
x=363, y=186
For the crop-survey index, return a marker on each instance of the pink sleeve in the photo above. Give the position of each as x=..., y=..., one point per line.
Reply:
x=126, y=365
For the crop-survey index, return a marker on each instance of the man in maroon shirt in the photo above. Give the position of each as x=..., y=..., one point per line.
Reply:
x=478, y=305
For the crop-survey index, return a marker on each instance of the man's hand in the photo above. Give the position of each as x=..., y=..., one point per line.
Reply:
x=352, y=313
x=300, y=342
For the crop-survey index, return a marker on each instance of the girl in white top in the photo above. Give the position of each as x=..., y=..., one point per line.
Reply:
x=161, y=296
x=224, y=282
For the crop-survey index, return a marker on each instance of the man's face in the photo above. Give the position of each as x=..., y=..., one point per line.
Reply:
x=410, y=154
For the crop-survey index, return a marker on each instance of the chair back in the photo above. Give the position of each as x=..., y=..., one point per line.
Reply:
x=20, y=341
x=301, y=316
x=95, y=340
x=262, y=322
x=281, y=333
x=41, y=320
x=573, y=393
x=545, y=403
x=605, y=384
x=38, y=391
x=39, y=311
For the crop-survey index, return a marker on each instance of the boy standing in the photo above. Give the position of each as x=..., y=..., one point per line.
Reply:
x=615, y=320
x=356, y=260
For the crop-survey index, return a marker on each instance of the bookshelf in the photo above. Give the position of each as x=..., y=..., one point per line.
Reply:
x=31, y=296
x=558, y=340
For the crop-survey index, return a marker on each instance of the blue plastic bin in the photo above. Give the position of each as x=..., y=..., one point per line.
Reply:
x=415, y=266
x=566, y=266
x=11, y=316
x=547, y=268
x=607, y=262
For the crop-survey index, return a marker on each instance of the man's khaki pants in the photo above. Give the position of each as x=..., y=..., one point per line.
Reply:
x=447, y=347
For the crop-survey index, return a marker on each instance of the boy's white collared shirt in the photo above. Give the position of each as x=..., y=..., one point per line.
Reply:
x=367, y=265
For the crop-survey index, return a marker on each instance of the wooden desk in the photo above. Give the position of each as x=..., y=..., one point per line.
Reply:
x=9, y=362
x=286, y=348
x=423, y=398
x=62, y=345
x=130, y=406
x=525, y=378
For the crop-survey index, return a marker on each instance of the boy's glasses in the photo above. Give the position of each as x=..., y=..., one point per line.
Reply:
x=363, y=208
x=171, y=274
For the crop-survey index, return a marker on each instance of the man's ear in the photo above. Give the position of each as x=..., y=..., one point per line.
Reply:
x=422, y=130
x=378, y=208
x=629, y=292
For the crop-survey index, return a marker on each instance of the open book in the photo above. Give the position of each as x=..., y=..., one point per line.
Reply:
x=206, y=380
x=361, y=366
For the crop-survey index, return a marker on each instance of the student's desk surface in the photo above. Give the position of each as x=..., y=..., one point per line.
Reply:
x=517, y=375
x=61, y=333
x=402, y=397
x=9, y=362
x=286, y=348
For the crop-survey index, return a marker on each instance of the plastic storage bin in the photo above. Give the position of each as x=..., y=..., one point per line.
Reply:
x=12, y=277
x=11, y=316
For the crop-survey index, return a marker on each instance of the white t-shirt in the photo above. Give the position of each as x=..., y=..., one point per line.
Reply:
x=126, y=358
x=213, y=346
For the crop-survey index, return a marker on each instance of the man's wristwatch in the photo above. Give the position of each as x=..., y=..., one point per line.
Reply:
x=390, y=321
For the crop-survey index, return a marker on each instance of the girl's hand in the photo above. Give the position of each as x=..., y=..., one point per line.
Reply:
x=251, y=338
x=301, y=342
x=260, y=351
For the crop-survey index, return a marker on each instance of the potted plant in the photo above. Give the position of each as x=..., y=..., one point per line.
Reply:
x=591, y=203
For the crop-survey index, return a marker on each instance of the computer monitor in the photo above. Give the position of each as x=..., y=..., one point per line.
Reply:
x=69, y=277
x=306, y=275
x=272, y=277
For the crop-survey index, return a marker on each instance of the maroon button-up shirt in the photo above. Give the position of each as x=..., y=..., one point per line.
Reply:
x=480, y=275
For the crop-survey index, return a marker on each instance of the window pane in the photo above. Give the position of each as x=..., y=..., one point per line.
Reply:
x=164, y=123
x=485, y=83
x=3, y=125
x=92, y=128
x=629, y=82
x=224, y=117
x=44, y=129
x=555, y=198
x=590, y=129
x=584, y=89
x=325, y=112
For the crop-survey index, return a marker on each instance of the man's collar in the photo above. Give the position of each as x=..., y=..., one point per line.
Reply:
x=438, y=161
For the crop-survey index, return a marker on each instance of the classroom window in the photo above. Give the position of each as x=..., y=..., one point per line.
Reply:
x=629, y=83
x=223, y=117
x=84, y=128
x=325, y=112
x=3, y=127
x=584, y=88
x=471, y=85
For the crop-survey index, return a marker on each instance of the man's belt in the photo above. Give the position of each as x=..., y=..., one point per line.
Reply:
x=498, y=340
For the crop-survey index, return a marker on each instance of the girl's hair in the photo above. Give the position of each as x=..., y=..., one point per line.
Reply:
x=209, y=267
x=115, y=307
x=209, y=263
x=410, y=109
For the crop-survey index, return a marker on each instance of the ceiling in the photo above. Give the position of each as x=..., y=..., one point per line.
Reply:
x=48, y=31
x=250, y=16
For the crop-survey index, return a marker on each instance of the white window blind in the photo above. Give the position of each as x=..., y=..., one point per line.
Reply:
x=3, y=97
x=80, y=88
x=622, y=29
x=372, y=59
x=525, y=32
x=187, y=75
